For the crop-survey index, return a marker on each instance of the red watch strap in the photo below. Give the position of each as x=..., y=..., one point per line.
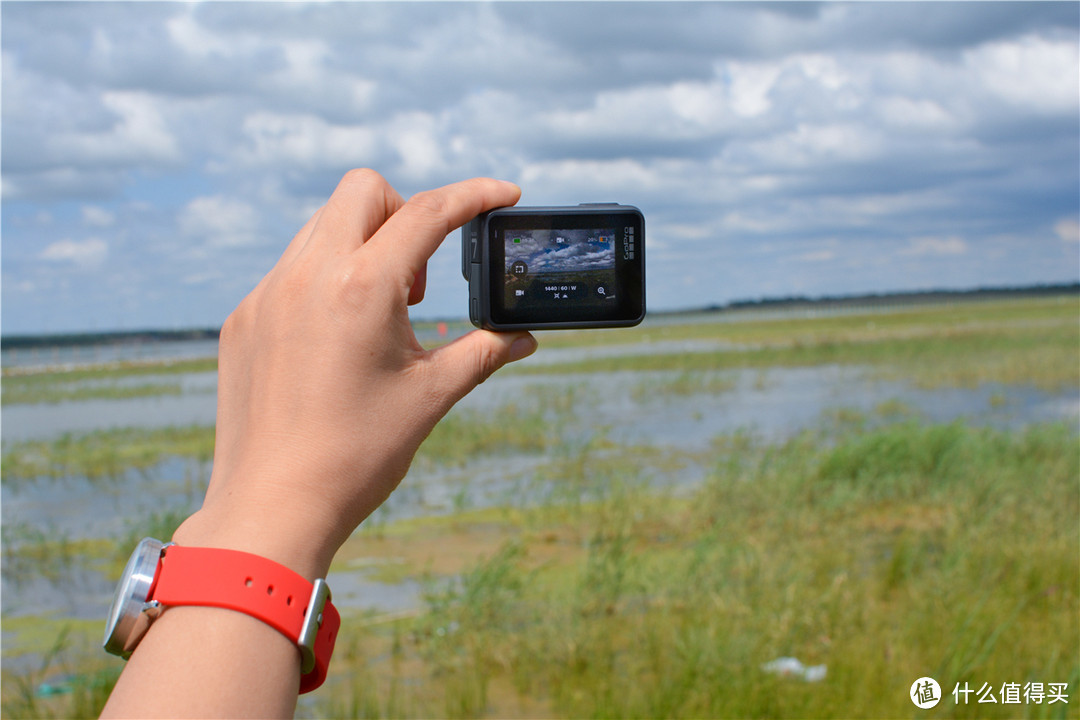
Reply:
x=251, y=584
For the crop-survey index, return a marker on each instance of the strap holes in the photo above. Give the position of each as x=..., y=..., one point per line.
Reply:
x=288, y=601
x=269, y=589
x=248, y=582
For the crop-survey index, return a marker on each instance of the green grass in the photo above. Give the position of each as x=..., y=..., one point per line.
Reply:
x=683, y=384
x=526, y=426
x=753, y=329
x=69, y=679
x=104, y=454
x=886, y=555
x=529, y=424
x=98, y=381
x=1012, y=341
x=881, y=547
x=1044, y=356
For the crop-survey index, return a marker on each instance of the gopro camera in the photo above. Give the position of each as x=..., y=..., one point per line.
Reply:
x=551, y=268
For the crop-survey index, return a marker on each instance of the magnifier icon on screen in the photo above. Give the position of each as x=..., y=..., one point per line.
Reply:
x=600, y=290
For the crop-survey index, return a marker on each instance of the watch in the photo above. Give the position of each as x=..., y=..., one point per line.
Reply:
x=162, y=575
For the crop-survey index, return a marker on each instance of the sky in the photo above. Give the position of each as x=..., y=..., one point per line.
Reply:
x=561, y=250
x=156, y=158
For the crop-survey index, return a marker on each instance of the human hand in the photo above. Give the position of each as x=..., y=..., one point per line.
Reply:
x=324, y=393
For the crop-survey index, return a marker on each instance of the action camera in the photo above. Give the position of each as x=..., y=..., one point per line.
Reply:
x=551, y=268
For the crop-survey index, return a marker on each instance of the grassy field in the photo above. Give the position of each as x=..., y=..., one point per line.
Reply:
x=1022, y=341
x=878, y=545
x=1016, y=341
x=884, y=555
x=107, y=381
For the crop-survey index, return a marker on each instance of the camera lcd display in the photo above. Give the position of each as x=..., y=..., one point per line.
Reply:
x=579, y=268
x=559, y=267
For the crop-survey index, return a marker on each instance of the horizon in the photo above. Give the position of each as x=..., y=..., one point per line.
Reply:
x=916, y=297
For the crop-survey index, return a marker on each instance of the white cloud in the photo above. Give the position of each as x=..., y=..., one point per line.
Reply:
x=818, y=145
x=1035, y=73
x=750, y=86
x=915, y=115
x=816, y=256
x=98, y=217
x=202, y=278
x=590, y=178
x=302, y=140
x=1068, y=230
x=139, y=134
x=416, y=137
x=220, y=221
x=86, y=254
x=935, y=246
x=200, y=41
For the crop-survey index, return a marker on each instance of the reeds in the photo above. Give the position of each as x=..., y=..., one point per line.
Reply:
x=885, y=555
x=624, y=580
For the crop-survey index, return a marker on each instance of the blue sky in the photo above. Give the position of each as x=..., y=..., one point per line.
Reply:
x=157, y=157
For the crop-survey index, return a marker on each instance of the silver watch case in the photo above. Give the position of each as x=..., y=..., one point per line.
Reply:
x=131, y=613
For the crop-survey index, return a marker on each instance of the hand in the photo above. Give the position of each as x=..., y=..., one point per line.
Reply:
x=324, y=393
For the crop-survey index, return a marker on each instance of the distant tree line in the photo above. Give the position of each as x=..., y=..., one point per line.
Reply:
x=131, y=337
x=895, y=298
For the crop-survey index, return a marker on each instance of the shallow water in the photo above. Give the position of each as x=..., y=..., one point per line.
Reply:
x=196, y=405
x=631, y=408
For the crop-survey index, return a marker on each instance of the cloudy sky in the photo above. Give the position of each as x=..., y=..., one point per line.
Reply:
x=562, y=250
x=156, y=157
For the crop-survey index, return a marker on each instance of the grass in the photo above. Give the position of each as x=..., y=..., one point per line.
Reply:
x=810, y=327
x=527, y=425
x=1042, y=356
x=104, y=454
x=683, y=384
x=886, y=555
x=1011, y=341
x=68, y=681
x=108, y=381
x=879, y=546
x=1032, y=342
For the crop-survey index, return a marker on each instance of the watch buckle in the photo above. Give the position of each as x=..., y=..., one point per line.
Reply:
x=313, y=620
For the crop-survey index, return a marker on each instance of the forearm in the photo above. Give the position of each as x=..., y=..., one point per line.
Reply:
x=211, y=662
x=199, y=662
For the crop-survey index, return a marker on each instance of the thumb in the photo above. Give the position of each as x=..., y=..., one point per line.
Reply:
x=470, y=360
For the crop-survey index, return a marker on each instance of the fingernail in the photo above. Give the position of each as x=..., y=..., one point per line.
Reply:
x=523, y=347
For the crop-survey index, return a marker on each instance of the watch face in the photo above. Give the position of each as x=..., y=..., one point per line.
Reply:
x=127, y=622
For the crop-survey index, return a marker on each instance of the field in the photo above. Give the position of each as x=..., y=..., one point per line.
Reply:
x=620, y=529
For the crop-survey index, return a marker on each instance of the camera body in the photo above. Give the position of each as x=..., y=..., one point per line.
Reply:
x=552, y=268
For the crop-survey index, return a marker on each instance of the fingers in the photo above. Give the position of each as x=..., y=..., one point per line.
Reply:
x=470, y=360
x=359, y=206
x=419, y=286
x=409, y=237
x=299, y=241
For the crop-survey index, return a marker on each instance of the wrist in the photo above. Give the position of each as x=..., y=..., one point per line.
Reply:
x=274, y=538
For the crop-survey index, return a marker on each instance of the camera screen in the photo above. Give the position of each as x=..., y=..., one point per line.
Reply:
x=560, y=265
x=578, y=268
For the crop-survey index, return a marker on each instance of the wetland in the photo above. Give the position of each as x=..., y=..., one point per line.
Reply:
x=630, y=522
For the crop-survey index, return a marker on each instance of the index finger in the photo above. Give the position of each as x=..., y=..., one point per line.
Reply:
x=359, y=205
x=410, y=236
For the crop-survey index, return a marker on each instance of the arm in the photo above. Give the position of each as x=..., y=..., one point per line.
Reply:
x=324, y=396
